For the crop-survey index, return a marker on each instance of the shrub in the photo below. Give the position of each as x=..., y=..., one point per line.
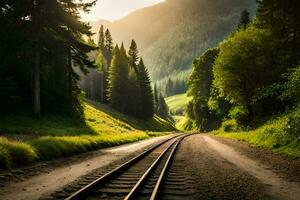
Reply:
x=19, y=152
x=230, y=125
x=4, y=158
x=238, y=113
x=293, y=127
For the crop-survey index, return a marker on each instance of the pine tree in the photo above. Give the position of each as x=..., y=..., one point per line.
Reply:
x=133, y=55
x=146, y=109
x=266, y=13
x=101, y=39
x=108, y=43
x=114, y=84
x=244, y=20
x=118, y=81
x=133, y=98
x=69, y=35
x=163, y=109
x=169, y=87
x=282, y=18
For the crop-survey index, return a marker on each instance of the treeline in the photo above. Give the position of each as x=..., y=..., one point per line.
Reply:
x=174, y=87
x=41, y=42
x=122, y=80
x=45, y=49
x=251, y=75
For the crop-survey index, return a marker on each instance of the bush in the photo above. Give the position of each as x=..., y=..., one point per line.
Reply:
x=4, y=158
x=238, y=113
x=293, y=127
x=230, y=125
x=19, y=152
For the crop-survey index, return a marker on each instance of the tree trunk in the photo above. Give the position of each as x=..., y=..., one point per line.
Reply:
x=37, y=89
x=70, y=72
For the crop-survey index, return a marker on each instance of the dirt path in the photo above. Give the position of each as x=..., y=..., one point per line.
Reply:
x=277, y=187
x=204, y=168
x=215, y=171
x=46, y=183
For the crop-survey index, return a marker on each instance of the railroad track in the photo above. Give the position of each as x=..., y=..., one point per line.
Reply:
x=140, y=178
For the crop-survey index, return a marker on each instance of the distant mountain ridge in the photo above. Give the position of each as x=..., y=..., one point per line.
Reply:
x=172, y=33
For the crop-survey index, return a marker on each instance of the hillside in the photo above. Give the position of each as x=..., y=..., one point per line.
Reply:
x=177, y=103
x=25, y=139
x=169, y=41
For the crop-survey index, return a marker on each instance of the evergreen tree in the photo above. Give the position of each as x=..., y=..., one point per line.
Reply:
x=282, y=18
x=146, y=109
x=101, y=40
x=133, y=55
x=163, y=109
x=118, y=81
x=108, y=43
x=51, y=39
x=244, y=20
x=169, y=87
x=133, y=98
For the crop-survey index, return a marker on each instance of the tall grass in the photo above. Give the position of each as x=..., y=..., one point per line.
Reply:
x=56, y=136
x=55, y=147
x=13, y=153
x=281, y=134
x=16, y=153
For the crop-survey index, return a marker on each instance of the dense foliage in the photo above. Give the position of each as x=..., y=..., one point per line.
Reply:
x=204, y=115
x=255, y=73
x=41, y=42
x=129, y=85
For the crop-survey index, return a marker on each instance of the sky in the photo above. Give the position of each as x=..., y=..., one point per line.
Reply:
x=115, y=9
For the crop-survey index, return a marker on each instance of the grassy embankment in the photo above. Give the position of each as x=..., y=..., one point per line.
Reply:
x=177, y=105
x=25, y=139
x=280, y=134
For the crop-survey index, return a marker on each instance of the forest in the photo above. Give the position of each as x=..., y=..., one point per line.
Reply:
x=172, y=99
x=62, y=93
x=252, y=76
x=65, y=58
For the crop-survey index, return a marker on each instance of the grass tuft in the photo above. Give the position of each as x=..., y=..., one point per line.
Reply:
x=19, y=152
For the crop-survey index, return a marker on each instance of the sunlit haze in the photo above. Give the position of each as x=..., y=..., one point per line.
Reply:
x=115, y=9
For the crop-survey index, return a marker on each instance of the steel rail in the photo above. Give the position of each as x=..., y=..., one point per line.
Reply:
x=142, y=180
x=167, y=165
x=83, y=192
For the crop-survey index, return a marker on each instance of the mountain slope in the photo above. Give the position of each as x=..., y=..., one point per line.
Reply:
x=172, y=33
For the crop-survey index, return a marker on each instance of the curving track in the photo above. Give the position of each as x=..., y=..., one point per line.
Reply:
x=140, y=178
